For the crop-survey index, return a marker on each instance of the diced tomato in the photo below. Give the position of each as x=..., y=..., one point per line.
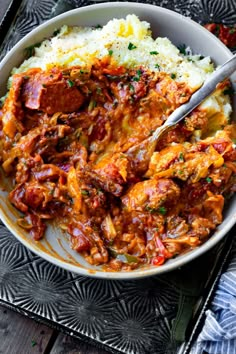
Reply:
x=80, y=243
x=158, y=260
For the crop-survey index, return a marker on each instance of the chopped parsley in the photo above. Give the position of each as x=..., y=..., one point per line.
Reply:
x=131, y=46
x=131, y=88
x=157, y=66
x=56, y=32
x=98, y=26
x=181, y=157
x=173, y=76
x=209, y=179
x=70, y=83
x=182, y=49
x=154, y=52
x=138, y=75
x=162, y=210
x=110, y=52
x=44, y=85
x=30, y=50
x=84, y=192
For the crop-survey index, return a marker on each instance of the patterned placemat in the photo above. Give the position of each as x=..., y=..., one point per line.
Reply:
x=145, y=316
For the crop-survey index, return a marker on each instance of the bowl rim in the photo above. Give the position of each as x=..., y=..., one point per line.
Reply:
x=139, y=273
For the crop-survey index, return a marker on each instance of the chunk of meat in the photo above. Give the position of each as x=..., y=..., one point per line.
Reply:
x=16, y=197
x=162, y=160
x=50, y=93
x=192, y=165
x=85, y=239
x=30, y=195
x=38, y=227
x=151, y=195
x=104, y=182
x=79, y=241
x=48, y=172
x=12, y=110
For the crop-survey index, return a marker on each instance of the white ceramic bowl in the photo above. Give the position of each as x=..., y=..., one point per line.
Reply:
x=55, y=247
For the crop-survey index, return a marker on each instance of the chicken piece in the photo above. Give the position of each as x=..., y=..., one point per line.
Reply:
x=85, y=239
x=12, y=112
x=110, y=173
x=188, y=164
x=150, y=195
x=160, y=161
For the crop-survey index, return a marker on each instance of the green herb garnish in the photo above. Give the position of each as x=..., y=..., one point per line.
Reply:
x=131, y=46
x=162, y=210
x=157, y=66
x=209, y=179
x=56, y=32
x=131, y=88
x=137, y=77
x=181, y=157
x=70, y=83
x=182, y=49
x=173, y=76
x=110, y=52
x=154, y=52
x=84, y=192
x=30, y=51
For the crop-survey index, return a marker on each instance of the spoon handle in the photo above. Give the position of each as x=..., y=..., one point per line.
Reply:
x=220, y=74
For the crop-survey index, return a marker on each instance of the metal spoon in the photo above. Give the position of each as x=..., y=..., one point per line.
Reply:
x=141, y=153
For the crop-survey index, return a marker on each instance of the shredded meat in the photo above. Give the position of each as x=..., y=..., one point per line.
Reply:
x=64, y=135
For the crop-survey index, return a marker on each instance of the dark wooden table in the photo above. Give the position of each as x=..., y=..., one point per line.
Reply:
x=20, y=334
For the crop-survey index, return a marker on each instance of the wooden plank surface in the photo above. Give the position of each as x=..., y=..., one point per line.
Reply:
x=21, y=335
x=68, y=345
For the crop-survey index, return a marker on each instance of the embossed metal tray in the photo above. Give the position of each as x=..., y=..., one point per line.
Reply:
x=152, y=315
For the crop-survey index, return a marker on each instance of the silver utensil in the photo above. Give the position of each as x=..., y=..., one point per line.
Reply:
x=143, y=150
